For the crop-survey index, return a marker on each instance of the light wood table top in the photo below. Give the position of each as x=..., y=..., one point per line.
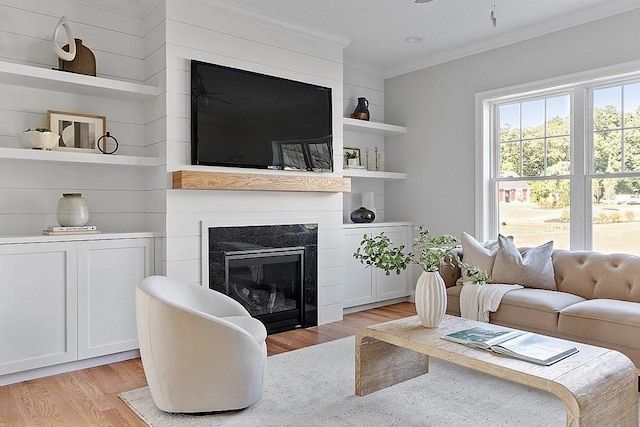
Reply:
x=597, y=385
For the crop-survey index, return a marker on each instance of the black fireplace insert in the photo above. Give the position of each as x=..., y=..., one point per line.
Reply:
x=270, y=270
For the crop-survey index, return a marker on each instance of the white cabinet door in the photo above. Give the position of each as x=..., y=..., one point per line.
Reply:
x=108, y=272
x=393, y=285
x=359, y=288
x=366, y=285
x=38, y=297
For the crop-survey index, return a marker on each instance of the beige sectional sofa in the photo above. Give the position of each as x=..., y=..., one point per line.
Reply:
x=597, y=301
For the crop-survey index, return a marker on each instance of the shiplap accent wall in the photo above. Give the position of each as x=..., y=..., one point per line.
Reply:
x=29, y=190
x=362, y=82
x=212, y=33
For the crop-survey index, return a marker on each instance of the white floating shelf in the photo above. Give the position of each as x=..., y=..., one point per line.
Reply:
x=377, y=224
x=72, y=157
x=61, y=81
x=375, y=128
x=359, y=173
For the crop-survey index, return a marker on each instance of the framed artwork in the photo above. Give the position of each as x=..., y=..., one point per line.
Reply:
x=351, y=157
x=78, y=132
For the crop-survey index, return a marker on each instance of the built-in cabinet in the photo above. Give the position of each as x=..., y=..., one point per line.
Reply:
x=364, y=285
x=64, y=301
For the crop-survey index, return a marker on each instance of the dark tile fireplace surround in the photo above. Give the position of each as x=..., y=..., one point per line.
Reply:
x=271, y=270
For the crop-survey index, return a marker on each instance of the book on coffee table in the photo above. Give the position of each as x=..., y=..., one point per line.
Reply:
x=521, y=345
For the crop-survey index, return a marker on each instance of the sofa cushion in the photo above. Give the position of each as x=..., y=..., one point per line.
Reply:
x=603, y=320
x=533, y=309
x=533, y=268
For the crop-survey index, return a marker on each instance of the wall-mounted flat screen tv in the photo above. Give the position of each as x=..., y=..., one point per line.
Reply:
x=245, y=119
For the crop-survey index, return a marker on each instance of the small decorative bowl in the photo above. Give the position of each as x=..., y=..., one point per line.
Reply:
x=38, y=140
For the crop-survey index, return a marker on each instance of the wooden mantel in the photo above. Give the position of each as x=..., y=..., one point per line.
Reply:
x=199, y=180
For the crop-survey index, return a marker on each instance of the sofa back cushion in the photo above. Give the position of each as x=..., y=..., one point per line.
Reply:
x=594, y=275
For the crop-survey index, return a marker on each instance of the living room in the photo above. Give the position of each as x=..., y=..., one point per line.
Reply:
x=153, y=45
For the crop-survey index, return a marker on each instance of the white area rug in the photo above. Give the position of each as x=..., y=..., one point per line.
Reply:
x=314, y=386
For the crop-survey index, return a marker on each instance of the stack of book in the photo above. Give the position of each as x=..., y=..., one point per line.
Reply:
x=62, y=231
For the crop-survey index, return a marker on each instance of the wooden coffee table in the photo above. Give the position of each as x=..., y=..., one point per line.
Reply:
x=598, y=386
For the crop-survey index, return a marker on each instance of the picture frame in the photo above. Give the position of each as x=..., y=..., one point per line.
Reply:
x=78, y=131
x=352, y=158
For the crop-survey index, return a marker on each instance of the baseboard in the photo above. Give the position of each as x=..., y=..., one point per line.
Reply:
x=67, y=367
x=374, y=305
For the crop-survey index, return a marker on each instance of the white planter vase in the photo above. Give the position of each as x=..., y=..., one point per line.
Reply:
x=72, y=210
x=431, y=298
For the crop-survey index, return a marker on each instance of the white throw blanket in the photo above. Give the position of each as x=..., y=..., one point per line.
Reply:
x=476, y=301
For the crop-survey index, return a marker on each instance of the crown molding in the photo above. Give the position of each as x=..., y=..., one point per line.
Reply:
x=258, y=17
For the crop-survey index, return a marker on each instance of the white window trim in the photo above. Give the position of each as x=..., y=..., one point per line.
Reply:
x=486, y=212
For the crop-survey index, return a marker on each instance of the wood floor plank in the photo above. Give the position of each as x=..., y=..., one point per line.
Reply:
x=89, y=397
x=9, y=412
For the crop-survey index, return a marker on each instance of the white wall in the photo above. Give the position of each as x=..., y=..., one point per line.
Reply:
x=29, y=191
x=437, y=106
x=210, y=33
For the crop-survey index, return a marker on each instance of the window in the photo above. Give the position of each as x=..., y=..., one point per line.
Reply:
x=533, y=144
x=563, y=163
x=615, y=182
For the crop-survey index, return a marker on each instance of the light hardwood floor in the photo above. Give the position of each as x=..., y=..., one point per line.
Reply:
x=90, y=397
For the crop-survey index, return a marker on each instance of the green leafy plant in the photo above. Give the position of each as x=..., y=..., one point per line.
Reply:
x=428, y=251
x=477, y=274
x=38, y=129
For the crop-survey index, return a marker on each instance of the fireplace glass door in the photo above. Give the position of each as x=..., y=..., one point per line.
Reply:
x=269, y=284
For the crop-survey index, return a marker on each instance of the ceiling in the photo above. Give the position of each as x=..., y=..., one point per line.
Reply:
x=449, y=29
x=374, y=31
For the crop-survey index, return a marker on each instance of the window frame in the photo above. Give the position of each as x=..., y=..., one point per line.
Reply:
x=580, y=87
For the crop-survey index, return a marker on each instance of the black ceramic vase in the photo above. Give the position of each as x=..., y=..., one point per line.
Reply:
x=362, y=215
x=362, y=110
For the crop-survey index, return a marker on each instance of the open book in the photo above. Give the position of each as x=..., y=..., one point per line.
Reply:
x=527, y=346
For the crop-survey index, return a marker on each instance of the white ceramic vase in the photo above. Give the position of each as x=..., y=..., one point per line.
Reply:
x=431, y=298
x=72, y=210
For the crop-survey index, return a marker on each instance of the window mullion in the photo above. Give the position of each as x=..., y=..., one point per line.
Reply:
x=580, y=225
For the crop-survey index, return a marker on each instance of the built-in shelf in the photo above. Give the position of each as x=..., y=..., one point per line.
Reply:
x=359, y=173
x=375, y=128
x=61, y=81
x=196, y=180
x=74, y=157
x=377, y=224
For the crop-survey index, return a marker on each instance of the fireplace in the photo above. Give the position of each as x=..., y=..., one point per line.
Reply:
x=270, y=270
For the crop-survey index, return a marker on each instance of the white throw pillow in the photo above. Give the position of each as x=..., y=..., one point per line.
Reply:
x=533, y=268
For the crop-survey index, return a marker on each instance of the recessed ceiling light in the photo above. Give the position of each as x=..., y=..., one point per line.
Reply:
x=413, y=39
x=424, y=1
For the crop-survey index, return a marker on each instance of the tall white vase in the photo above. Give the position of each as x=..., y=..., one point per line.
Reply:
x=431, y=298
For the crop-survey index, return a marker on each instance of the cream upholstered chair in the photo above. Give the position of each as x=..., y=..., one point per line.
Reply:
x=201, y=350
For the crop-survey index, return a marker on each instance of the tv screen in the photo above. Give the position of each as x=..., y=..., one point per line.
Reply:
x=245, y=119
